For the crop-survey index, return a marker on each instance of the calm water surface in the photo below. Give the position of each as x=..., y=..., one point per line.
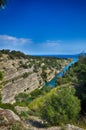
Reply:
x=61, y=73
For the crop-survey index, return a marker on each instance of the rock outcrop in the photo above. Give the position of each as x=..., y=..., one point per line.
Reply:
x=10, y=121
x=10, y=90
x=7, y=116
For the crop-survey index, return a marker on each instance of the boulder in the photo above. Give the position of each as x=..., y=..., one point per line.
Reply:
x=8, y=117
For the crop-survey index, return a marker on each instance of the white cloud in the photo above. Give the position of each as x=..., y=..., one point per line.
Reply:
x=15, y=40
x=14, y=43
x=49, y=44
x=6, y=37
x=48, y=47
x=28, y=46
x=52, y=43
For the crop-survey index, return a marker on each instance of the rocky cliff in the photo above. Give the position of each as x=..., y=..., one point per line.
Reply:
x=25, y=73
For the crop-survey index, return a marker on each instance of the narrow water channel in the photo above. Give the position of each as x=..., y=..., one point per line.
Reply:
x=61, y=73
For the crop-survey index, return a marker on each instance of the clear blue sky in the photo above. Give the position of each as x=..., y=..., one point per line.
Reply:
x=44, y=26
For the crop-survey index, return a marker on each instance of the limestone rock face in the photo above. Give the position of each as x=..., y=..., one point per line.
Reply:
x=8, y=117
x=10, y=90
x=17, y=79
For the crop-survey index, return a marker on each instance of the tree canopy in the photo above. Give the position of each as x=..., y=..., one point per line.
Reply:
x=61, y=107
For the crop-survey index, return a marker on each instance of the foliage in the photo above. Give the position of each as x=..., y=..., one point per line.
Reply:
x=1, y=76
x=24, y=114
x=7, y=106
x=25, y=66
x=2, y=3
x=17, y=126
x=23, y=99
x=77, y=76
x=77, y=71
x=14, y=54
x=25, y=75
x=61, y=107
x=7, y=51
x=44, y=75
x=0, y=54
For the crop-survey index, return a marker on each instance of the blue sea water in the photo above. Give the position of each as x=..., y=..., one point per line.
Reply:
x=59, y=56
x=66, y=56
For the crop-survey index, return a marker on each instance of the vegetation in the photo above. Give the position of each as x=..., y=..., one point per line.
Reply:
x=25, y=66
x=1, y=75
x=7, y=106
x=17, y=126
x=2, y=3
x=25, y=75
x=23, y=99
x=37, y=64
x=61, y=107
x=77, y=76
x=57, y=106
x=14, y=54
x=55, y=109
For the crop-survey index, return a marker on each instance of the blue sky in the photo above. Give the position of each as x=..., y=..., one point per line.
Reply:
x=44, y=26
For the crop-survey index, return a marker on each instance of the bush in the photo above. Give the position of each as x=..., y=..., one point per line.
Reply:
x=61, y=107
x=24, y=114
x=17, y=126
x=1, y=75
x=25, y=66
x=25, y=75
x=7, y=106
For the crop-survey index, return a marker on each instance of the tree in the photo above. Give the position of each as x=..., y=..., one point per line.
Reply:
x=2, y=3
x=61, y=107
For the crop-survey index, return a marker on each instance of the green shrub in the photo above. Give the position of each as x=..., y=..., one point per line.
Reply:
x=24, y=114
x=1, y=75
x=7, y=106
x=25, y=66
x=25, y=75
x=17, y=126
x=61, y=107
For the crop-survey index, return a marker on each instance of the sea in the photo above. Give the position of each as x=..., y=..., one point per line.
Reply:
x=60, y=56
